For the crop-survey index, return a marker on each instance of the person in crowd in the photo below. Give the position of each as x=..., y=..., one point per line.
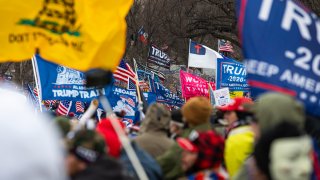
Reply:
x=87, y=158
x=283, y=152
x=270, y=110
x=153, y=134
x=196, y=114
x=30, y=146
x=239, y=135
x=85, y=148
x=115, y=149
x=63, y=123
x=209, y=148
x=176, y=124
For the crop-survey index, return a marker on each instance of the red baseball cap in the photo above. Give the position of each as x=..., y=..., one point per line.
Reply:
x=237, y=104
x=187, y=145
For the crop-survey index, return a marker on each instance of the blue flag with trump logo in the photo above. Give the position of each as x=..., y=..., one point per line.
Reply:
x=281, y=46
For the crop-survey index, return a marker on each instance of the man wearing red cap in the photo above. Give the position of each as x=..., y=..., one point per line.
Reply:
x=239, y=135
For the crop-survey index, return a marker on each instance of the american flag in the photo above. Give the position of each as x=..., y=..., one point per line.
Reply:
x=225, y=46
x=144, y=85
x=79, y=107
x=35, y=91
x=48, y=102
x=124, y=72
x=64, y=108
x=131, y=84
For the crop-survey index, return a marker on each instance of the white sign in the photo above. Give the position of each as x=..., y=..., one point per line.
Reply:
x=221, y=96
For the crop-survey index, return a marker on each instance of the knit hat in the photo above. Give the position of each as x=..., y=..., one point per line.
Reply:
x=63, y=124
x=274, y=108
x=197, y=110
x=106, y=129
x=87, y=145
x=211, y=149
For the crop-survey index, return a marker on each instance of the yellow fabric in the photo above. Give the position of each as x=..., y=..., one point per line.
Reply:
x=80, y=34
x=238, y=146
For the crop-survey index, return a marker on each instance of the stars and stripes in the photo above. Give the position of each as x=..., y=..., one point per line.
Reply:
x=144, y=85
x=50, y=102
x=124, y=72
x=64, y=108
x=225, y=46
x=79, y=107
x=131, y=84
x=35, y=91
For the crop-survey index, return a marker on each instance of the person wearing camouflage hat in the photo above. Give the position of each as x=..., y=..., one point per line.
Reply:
x=270, y=110
x=85, y=147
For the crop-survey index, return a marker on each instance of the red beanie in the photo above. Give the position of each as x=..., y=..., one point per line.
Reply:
x=113, y=143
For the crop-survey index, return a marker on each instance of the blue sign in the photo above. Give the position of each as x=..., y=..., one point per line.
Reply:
x=281, y=45
x=231, y=74
x=62, y=83
x=123, y=100
x=164, y=95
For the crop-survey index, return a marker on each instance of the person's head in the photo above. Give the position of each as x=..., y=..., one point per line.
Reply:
x=30, y=145
x=63, y=123
x=157, y=119
x=197, y=111
x=85, y=147
x=201, y=151
x=176, y=123
x=105, y=128
x=272, y=108
x=284, y=152
x=237, y=109
x=189, y=153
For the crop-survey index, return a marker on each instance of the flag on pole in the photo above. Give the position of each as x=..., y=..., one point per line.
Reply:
x=131, y=84
x=143, y=36
x=64, y=108
x=124, y=72
x=35, y=91
x=201, y=56
x=225, y=46
x=77, y=34
x=79, y=107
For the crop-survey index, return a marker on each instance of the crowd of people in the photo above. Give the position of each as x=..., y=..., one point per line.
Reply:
x=269, y=138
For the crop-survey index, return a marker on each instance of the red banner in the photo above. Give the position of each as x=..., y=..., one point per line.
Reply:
x=192, y=85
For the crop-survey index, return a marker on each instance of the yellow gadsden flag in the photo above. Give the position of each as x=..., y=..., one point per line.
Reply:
x=80, y=34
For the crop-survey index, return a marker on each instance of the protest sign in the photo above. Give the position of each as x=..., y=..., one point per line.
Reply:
x=61, y=83
x=123, y=100
x=221, y=96
x=164, y=95
x=158, y=57
x=231, y=74
x=281, y=46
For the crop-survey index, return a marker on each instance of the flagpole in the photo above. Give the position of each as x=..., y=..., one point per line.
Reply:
x=218, y=45
x=35, y=73
x=188, y=55
x=140, y=103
